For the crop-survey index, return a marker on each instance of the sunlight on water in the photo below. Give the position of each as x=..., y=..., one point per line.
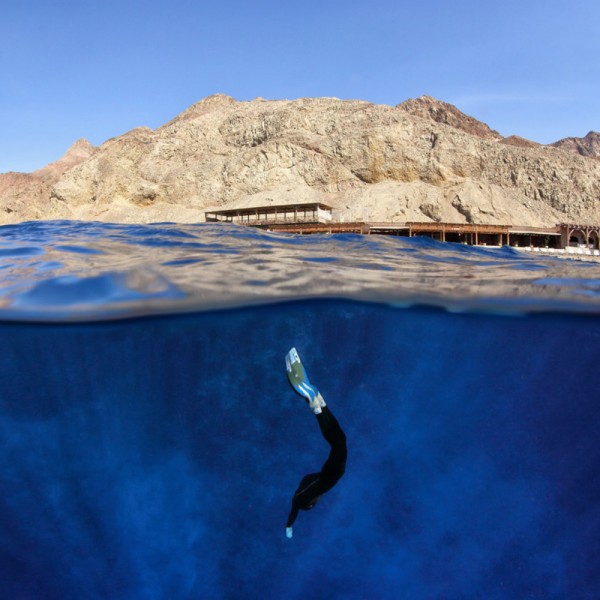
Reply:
x=86, y=271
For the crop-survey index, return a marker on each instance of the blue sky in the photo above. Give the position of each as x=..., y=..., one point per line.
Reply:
x=96, y=69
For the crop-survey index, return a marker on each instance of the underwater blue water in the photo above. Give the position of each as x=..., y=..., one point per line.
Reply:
x=156, y=457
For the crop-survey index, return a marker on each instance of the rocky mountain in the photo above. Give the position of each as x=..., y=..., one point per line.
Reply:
x=25, y=196
x=419, y=161
x=80, y=151
x=587, y=146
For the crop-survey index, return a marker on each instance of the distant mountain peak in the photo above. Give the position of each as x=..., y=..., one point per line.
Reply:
x=77, y=153
x=586, y=146
x=519, y=142
x=442, y=112
x=80, y=147
x=204, y=106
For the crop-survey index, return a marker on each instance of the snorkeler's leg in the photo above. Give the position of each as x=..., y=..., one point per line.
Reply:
x=330, y=428
x=335, y=465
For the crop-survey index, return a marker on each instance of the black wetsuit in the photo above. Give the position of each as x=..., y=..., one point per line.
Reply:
x=314, y=485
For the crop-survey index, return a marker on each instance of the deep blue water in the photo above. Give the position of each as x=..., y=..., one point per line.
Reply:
x=156, y=457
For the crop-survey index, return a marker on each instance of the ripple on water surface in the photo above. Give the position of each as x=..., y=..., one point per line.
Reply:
x=63, y=270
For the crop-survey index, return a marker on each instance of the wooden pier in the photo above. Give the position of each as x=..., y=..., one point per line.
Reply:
x=316, y=217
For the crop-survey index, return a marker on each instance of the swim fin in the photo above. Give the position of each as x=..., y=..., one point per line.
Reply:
x=300, y=382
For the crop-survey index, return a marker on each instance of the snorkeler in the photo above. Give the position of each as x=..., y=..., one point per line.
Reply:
x=314, y=485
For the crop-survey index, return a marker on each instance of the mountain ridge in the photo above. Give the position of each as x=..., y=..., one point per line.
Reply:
x=422, y=159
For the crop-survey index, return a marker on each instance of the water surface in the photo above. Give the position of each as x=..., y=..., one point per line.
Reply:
x=65, y=270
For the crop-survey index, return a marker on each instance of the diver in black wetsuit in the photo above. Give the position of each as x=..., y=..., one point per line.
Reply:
x=314, y=485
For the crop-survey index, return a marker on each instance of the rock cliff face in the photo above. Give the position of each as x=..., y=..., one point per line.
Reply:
x=421, y=160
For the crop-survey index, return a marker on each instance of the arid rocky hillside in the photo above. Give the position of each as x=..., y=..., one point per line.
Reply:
x=421, y=160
